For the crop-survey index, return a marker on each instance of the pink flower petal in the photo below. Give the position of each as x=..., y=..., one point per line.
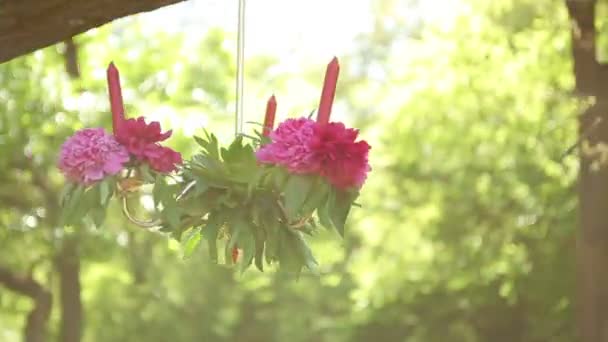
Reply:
x=90, y=155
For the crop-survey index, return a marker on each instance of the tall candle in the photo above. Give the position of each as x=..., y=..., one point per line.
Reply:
x=329, y=90
x=116, y=104
x=271, y=110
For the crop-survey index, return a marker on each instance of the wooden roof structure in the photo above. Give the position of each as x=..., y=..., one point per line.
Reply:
x=28, y=25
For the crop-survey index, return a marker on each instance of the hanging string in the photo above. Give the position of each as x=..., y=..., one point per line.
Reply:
x=240, y=69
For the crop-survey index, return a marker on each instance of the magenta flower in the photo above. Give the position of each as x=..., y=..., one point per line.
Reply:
x=136, y=135
x=290, y=146
x=330, y=150
x=90, y=155
x=141, y=140
x=341, y=160
x=162, y=159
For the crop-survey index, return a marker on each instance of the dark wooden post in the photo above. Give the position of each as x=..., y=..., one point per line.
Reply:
x=28, y=25
x=592, y=241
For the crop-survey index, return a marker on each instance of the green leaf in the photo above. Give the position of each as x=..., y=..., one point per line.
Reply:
x=272, y=240
x=290, y=258
x=236, y=226
x=171, y=211
x=263, y=138
x=340, y=208
x=90, y=199
x=66, y=192
x=323, y=211
x=191, y=241
x=317, y=196
x=74, y=197
x=71, y=208
x=240, y=161
x=98, y=215
x=280, y=176
x=307, y=228
x=168, y=230
x=158, y=192
x=234, y=149
x=246, y=242
x=172, y=215
x=305, y=252
x=296, y=192
x=258, y=174
x=212, y=172
x=210, y=145
x=275, y=177
x=257, y=213
x=202, y=143
x=85, y=203
x=195, y=206
x=227, y=200
x=259, y=248
x=146, y=174
x=200, y=187
x=214, y=223
x=106, y=190
x=224, y=154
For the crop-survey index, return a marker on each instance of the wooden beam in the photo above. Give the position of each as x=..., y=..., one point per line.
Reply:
x=28, y=25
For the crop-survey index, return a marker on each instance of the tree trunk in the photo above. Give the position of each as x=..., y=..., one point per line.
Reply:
x=68, y=267
x=28, y=25
x=35, y=326
x=592, y=241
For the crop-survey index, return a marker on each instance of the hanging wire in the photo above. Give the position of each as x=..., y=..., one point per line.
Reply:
x=144, y=224
x=154, y=223
x=240, y=69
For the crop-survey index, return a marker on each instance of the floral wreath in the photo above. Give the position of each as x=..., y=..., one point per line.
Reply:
x=254, y=199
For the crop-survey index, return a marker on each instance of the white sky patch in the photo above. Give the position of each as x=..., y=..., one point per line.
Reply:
x=317, y=29
x=441, y=13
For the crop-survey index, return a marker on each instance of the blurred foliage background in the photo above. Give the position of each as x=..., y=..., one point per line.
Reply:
x=467, y=227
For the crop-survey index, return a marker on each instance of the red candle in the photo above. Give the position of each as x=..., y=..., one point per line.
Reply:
x=116, y=104
x=271, y=110
x=329, y=90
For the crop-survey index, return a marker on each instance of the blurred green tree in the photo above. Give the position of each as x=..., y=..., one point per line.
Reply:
x=478, y=215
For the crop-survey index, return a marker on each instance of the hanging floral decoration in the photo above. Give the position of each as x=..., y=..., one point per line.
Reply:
x=251, y=202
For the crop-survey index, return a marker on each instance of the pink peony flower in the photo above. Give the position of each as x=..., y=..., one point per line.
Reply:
x=136, y=135
x=90, y=155
x=162, y=159
x=330, y=150
x=290, y=146
x=341, y=160
x=141, y=140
